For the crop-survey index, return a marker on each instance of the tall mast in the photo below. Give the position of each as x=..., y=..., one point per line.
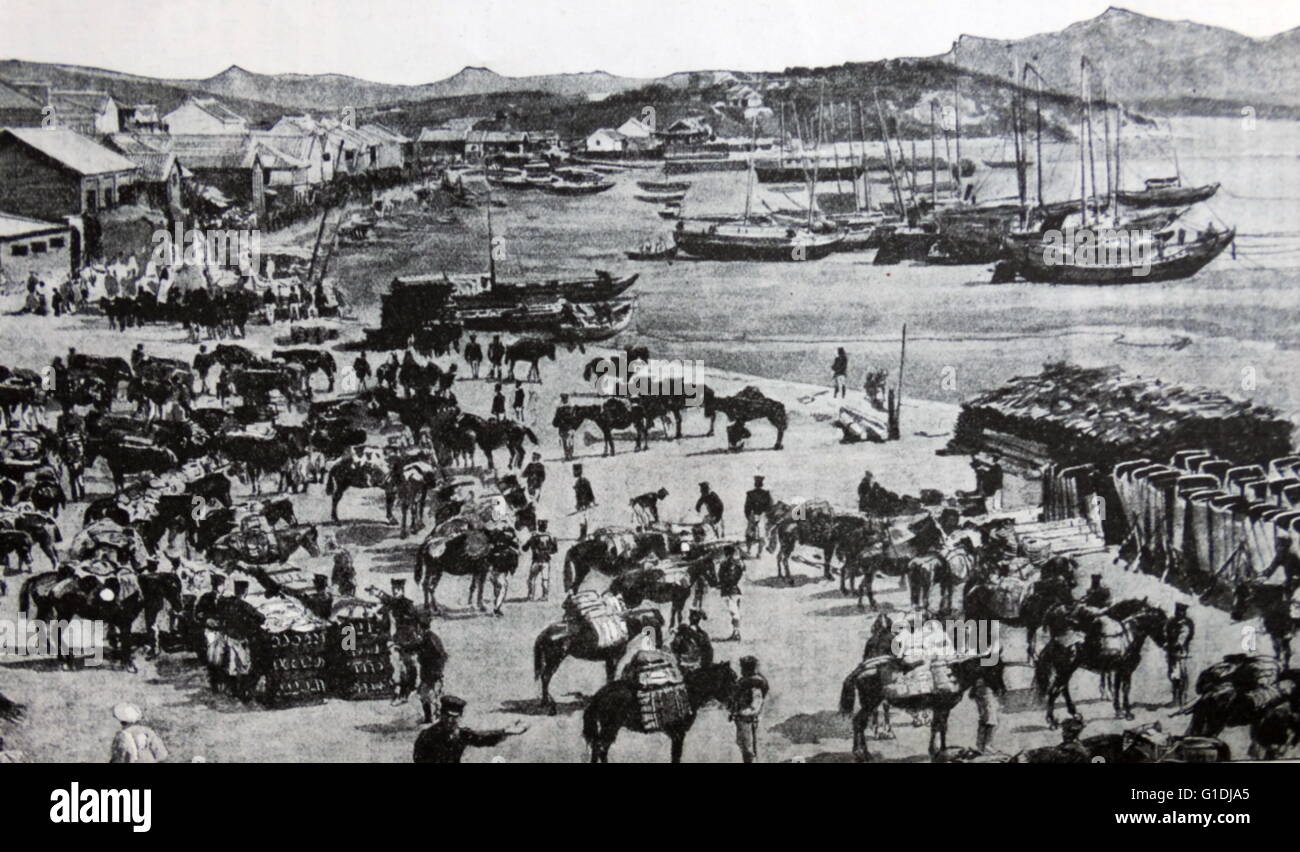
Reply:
x=1083, y=153
x=749, y=175
x=835, y=151
x=956, y=166
x=1105, y=137
x=1119, y=120
x=934, y=169
x=782, y=155
x=492, y=259
x=1092, y=162
x=889, y=155
x=866, y=174
x=1038, y=126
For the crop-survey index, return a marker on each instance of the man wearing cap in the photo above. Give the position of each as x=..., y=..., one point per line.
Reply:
x=135, y=743
x=710, y=506
x=344, y=575
x=1097, y=596
x=496, y=354
x=319, y=601
x=239, y=622
x=988, y=707
x=1288, y=561
x=583, y=497
x=758, y=502
x=730, y=570
x=1070, y=748
x=446, y=740
x=691, y=644
x=543, y=547
x=747, y=706
x=431, y=656
x=1179, y=632
x=645, y=507
x=404, y=626
x=474, y=355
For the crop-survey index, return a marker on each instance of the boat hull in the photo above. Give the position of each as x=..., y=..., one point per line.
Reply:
x=757, y=248
x=1029, y=265
x=1173, y=196
x=776, y=173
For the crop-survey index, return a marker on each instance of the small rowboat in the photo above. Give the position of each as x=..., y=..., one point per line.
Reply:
x=670, y=211
x=662, y=198
x=663, y=254
x=664, y=185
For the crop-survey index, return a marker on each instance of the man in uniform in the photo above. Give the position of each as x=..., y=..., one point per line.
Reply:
x=498, y=403
x=319, y=601
x=988, y=707
x=729, y=573
x=747, y=707
x=543, y=547
x=240, y=621
x=473, y=355
x=645, y=507
x=135, y=743
x=361, y=367
x=1179, y=633
x=710, y=505
x=446, y=741
x=404, y=625
x=872, y=498
x=1097, y=596
x=758, y=501
x=1070, y=748
x=691, y=644
x=583, y=497
x=535, y=475
x=1288, y=561
x=496, y=354
x=432, y=659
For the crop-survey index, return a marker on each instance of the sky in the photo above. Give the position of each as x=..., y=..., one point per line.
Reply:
x=419, y=41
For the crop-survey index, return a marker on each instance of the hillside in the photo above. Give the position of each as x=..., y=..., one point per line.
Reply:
x=1150, y=59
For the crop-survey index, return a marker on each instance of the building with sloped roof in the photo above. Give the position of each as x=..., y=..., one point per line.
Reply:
x=32, y=247
x=200, y=115
x=52, y=172
x=18, y=108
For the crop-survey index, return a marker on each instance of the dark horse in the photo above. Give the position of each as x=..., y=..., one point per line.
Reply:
x=492, y=434
x=85, y=598
x=610, y=415
x=660, y=584
x=867, y=684
x=499, y=558
x=1056, y=588
x=1052, y=672
x=746, y=405
x=564, y=639
x=285, y=542
x=311, y=360
x=601, y=552
x=1273, y=604
x=789, y=526
x=532, y=350
x=615, y=706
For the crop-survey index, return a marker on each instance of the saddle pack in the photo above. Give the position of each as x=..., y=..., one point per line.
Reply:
x=604, y=615
x=660, y=689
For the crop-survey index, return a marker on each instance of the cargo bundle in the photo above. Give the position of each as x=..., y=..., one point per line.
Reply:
x=290, y=649
x=605, y=615
x=1077, y=415
x=359, y=664
x=660, y=690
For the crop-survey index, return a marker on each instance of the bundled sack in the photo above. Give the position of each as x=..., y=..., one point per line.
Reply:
x=660, y=690
x=910, y=684
x=603, y=614
x=1006, y=595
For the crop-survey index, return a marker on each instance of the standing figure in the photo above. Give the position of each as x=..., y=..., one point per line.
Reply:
x=758, y=501
x=446, y=741
x=840, y=372
x=135, y=743
x=474, y=355
x=543, y=547
x=534, y=475
x=747, y=707
x=584, y=499
x=730, y=571
x=1179, y=633
x=496, y=354
x=710, y=506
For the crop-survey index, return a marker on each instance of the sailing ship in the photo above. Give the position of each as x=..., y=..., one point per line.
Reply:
x=1122, y=263
x=1166, y=192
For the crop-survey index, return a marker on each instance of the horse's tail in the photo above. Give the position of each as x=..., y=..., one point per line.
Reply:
x=849, y=692
x=773, y=535
x=1043, y=673
x=419, y=563
x=591, y=724
x=539, y=657
x=25, y=595
x=329, y=481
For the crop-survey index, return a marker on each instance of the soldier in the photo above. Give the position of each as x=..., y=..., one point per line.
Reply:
x=729, y=574
x=543, y=547
x=496, y=354
x=710, y=505
x=206, y=606
x=319, y=601
x=645, y=507
x=404, y=621
x=1179, y=633
x=446, y=741
x=583, y=497
x=474, y=355
x=1097, y=596
x=691, y=644
x=758, y=502
x=431, y=658
x=519, y=400
x=535, y=475
x=135, y=743
x=1288, y=561
x=361, y=367
x=1070, y=748
x=747, y=706
x=988, y=706
x=498, y=403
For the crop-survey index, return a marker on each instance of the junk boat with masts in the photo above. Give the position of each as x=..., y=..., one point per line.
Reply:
x=755, y=237
x=1120, y=248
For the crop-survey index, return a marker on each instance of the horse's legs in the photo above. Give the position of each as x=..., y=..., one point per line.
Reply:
x=339, y=488
x=678, y=739
x=500, y=583
x=860, y=720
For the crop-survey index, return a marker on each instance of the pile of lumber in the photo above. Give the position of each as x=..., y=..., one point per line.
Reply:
x=1099, y=415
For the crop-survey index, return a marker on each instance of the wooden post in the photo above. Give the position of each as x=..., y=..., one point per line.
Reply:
x=895, y=426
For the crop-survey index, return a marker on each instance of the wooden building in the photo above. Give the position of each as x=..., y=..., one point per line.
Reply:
x=51, y=172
